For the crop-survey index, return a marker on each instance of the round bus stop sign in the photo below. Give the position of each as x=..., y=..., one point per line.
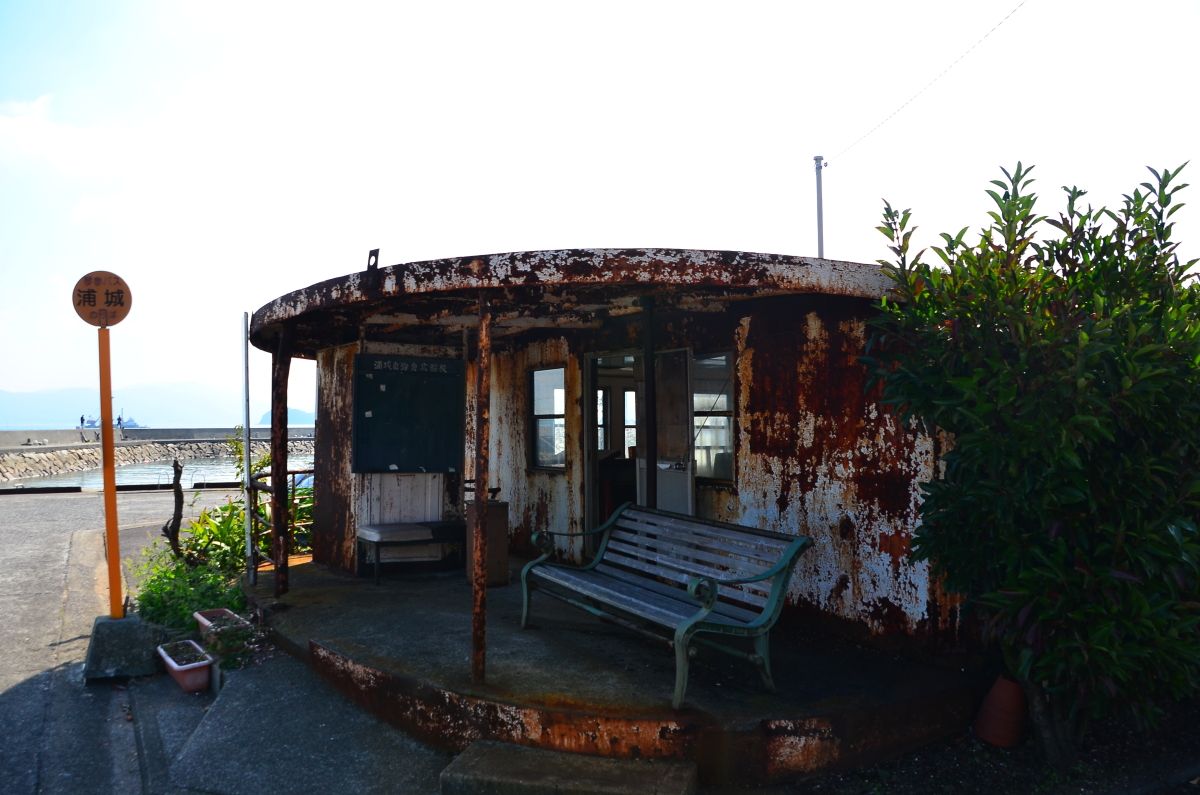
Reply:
x=102, y=298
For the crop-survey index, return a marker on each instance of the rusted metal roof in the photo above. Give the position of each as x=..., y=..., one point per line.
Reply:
x=434, y=300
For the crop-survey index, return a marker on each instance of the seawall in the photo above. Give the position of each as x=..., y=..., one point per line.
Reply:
x=35, y=461
x=75, y=436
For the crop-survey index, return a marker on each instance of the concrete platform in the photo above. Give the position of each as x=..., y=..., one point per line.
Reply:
x=502, y=769
x=402, y=649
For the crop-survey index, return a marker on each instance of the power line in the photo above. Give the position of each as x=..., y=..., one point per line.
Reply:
x=928, y=85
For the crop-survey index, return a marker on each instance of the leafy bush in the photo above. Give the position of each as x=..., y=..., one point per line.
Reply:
x=1068, y=371
x=172, y=590
x=212, y=554
x=218, y=535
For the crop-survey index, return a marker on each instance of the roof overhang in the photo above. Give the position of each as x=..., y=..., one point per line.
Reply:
x=434, y=300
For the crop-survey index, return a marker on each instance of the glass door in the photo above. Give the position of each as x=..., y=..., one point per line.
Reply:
x=675, y=467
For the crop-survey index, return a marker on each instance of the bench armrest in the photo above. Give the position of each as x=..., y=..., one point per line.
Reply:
x=540, y=539
x=704, y=589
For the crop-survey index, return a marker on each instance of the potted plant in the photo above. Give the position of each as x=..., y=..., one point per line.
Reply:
x=213, y=621
x=229, y=636
x=188, y=664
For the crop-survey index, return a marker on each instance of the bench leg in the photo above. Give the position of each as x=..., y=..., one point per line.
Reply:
x=524, y=603
x=681, y=667
x=376, y=546
x=762, y=658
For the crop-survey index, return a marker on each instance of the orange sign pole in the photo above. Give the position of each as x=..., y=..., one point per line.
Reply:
x=116, y=602
x=103, y=299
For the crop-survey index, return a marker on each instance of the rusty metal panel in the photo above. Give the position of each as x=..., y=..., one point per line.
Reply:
x=333, y=482
x=818, y=456
x=281, y=363
x=398, y=497
x=723, y=270
x=537, y=500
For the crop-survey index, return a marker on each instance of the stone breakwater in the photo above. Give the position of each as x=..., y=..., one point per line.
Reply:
x=35, y=463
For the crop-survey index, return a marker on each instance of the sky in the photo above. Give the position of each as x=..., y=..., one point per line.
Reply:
x=218, y=155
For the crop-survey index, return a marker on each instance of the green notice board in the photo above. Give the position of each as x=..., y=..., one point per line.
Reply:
x=409, y=414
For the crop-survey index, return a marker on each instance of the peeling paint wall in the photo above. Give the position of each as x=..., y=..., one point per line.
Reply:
x=814, y=453
x=333, y=489
x=537, y=499
x=343, y=498
x=817, y=456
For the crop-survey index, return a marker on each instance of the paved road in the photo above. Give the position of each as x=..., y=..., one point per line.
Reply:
x=60, y=736
x=276, y=727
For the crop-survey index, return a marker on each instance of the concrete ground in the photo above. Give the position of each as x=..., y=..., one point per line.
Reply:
x=274, y=727
x=403, y=648
x=279, y=727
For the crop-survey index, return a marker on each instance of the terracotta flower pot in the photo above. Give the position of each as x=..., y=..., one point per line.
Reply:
x=188, y=664
x=1001, y=718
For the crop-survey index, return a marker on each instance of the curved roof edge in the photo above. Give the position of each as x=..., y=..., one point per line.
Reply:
x=651, y=267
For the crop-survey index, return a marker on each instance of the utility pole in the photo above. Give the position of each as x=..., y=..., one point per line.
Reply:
x=818, y=164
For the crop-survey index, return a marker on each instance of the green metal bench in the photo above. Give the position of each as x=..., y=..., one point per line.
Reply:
x=675, y=577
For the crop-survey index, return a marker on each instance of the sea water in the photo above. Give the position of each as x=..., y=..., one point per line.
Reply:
x=195, y=470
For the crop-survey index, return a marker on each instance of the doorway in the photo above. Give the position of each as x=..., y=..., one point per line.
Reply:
x=616, y=430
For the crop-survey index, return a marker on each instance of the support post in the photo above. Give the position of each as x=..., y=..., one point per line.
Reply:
x=112, y=540
x=819, y=164
x=483, y=358
x=649, y=403
x=281, y=364
x=250, y=496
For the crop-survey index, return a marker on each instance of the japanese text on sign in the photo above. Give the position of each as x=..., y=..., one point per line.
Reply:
x=102, y=298
x=403, y=366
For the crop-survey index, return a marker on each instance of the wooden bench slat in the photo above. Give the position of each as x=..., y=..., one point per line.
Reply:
x=669, y=547
x=752, y=546
x=658, y=608
x=716, y=529
x=640, y=575
x=620, y=556
x=752, y=558
x=679, y=572
x=723, y=606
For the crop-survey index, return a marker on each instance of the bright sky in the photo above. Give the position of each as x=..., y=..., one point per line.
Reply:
x=217, y=155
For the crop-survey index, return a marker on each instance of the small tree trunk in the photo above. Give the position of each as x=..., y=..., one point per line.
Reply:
x=1055, y=735
x=170, y=529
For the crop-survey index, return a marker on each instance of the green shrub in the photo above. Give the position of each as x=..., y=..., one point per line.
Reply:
x=172, y=590
x=1068, y=371
x=218, y=535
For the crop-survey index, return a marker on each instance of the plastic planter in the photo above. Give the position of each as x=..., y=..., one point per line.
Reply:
x=191, y=676
x=212, y=621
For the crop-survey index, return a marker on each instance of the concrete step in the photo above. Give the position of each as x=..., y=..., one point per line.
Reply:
x=492, y=768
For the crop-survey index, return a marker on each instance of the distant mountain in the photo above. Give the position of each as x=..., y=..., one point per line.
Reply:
x=153, y=406
x=295, y=417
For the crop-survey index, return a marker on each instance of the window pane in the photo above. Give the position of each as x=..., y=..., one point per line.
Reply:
x=600, y=407
x=714, y=447
x=550, y=443
x=711, y=380
x=630, y=420
x=549, y=392
x=600, y=439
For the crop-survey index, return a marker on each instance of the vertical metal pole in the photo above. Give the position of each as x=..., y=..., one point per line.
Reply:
x=819, y=164
x=112, y=541
x=280, y=547
x=649, y=403
x=251, y=499
x=483, y=357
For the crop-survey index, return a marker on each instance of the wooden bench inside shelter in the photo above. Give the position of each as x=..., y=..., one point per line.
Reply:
x=374, y=537
x=686, y=580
